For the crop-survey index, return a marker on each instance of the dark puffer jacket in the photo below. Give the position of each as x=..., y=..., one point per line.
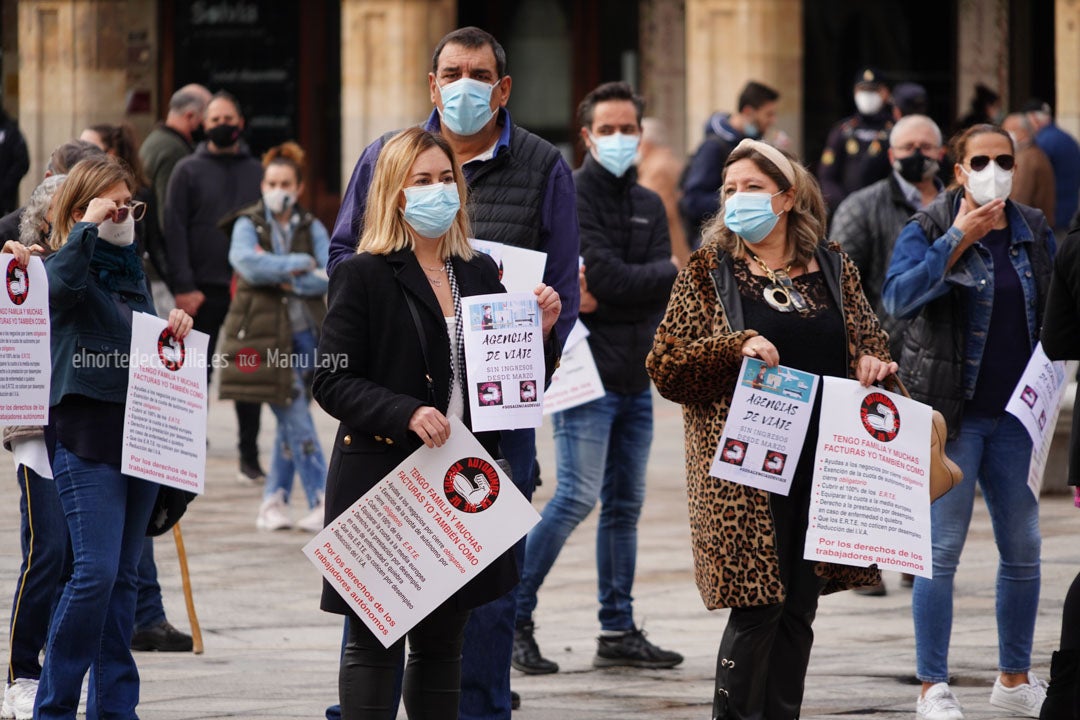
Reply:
x=627, y=250
x=1061, y=328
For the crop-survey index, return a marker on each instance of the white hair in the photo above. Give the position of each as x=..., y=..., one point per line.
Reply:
x=36, y=208
x=909, y=121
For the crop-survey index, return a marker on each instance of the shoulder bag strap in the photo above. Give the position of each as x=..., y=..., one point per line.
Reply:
x=423, y=346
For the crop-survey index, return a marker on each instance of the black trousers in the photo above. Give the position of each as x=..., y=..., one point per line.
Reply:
x=761, y=664
x=209, y=319
x=431, y=687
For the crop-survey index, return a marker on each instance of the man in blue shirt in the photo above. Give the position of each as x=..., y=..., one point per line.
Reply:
x=521, y=193
x=1064, y=154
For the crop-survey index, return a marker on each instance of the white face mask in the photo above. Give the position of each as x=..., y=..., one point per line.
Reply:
x=119, y=234
x=990, y=183
x=278, y=200
x=868, y=102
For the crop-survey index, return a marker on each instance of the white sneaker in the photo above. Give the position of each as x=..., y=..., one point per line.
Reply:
x=939, y=704
x=274, y=513
x=19, y=699
x=313, y=521
x=82, y=695
x=1023, y=700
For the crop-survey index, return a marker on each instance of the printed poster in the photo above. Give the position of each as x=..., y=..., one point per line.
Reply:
x=871, y=497
x=1036, y=403
x=165, y=414
x=520, y=270
x=25, y=356
x=766, y=426
x=504, y=356
x=430, y=526
x=576, y=381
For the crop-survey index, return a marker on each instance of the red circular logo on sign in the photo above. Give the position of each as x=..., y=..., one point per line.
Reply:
x=247, y=360
x=880, y=417
x=18, y=282
x=471, y=485
x=170, y=350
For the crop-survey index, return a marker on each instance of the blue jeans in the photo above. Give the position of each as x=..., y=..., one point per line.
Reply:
x=993, y=452
x=489, y=633
x=149, y=610
x=46, y=563
x=296, y=446
x=107, y=513
x=601, y=451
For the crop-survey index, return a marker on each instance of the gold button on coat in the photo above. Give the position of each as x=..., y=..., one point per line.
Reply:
x=347, y=440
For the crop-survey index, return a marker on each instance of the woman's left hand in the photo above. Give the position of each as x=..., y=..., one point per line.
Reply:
x=180, y=323
x=550, y=307
x=872, y=370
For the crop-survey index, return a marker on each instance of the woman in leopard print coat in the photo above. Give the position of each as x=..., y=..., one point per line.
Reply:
x=748, y=543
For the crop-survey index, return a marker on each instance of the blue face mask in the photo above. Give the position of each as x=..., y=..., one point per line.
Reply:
x=615, y=152
x=466, y=105
x=430, y=209
x=750, y=130
x=750, y=215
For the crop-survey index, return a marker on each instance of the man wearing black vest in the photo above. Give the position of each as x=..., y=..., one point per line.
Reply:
x=521, y=193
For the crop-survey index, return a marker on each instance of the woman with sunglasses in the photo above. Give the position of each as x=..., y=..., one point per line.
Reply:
x=96, y=282
x=973, y=269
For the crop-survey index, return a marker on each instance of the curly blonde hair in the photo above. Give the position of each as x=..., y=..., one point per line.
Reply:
x=806, y=219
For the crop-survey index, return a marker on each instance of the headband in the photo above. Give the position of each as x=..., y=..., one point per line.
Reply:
x=775, y=156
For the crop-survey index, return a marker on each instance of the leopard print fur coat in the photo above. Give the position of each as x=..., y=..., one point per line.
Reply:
x=694, y=361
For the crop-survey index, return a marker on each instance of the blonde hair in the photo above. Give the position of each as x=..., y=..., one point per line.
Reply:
x=385, y=229
x=806, y=219
x=89, y=178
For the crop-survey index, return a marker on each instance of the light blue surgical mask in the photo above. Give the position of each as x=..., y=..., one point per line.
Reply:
x=750, y=130
x=615, y=152
x=750, y=215
x=430, y=209
x=466, y=105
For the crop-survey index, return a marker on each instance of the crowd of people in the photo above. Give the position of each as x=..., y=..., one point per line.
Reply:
x=944, y=262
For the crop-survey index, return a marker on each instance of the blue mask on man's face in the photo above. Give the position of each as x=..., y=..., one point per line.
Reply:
x=466, y=105
x=615, y=152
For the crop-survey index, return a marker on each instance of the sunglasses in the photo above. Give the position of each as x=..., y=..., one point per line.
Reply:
x=135, y=208
x=1005, y=162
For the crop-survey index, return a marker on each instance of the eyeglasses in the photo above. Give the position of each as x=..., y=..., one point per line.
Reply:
x=1005, y=162
x=136, y=208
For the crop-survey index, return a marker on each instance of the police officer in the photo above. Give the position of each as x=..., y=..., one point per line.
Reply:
x=856, y=153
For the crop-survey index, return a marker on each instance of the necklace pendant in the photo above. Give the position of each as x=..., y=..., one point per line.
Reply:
x=777, y=297
x=437, y=282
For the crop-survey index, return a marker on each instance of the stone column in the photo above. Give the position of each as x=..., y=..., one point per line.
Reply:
x=729, y=42
x=82, y=62
x=663, y=67
x=1067, y=65
x=386, y=48
x=982, y=51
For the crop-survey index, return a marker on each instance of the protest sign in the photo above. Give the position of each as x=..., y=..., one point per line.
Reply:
x=871, y=497
x=576, y=381
x=165, y=415
x=25, y=359
x=1036, y=403
x=427, y=528
x=504, y=355
x=766, y=426
x=520, y=270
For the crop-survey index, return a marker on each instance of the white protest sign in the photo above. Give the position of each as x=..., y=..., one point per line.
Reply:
x=766, y=426
x=1036, y=402
x=576, y=381
x=871, y=497
x=430, y=526
x=165, y=413
x=504, y=355
x=520, y=270
x=25, y=359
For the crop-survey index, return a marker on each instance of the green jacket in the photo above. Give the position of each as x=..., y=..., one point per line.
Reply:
x=257, y=327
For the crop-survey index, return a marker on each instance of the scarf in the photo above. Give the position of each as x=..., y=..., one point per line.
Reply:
x=116, y=266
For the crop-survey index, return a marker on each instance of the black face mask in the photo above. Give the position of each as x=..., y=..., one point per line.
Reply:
x=224, y=136
x=915, y=167
x=198, y=135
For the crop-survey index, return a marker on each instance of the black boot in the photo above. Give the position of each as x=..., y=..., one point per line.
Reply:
x=1063, y=695
x=526, y=655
